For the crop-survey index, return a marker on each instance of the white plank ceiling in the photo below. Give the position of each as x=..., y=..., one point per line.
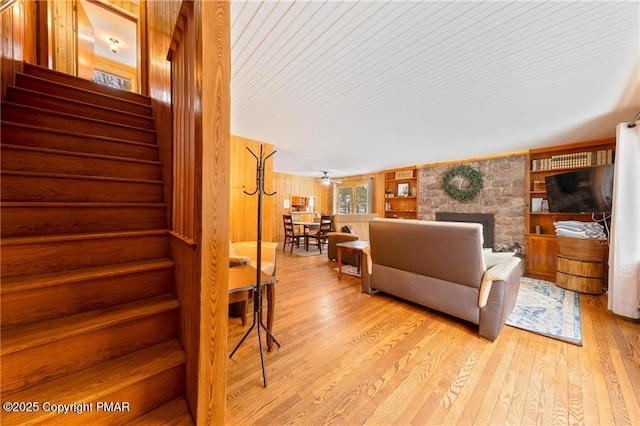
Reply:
x=360, y=86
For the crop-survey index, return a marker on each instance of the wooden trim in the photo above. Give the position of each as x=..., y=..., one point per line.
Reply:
x=215, y=73
x=115, y=9
x=6, y=4
x=143, y=50
x=584, y=144
x=188, y=241
x=42, y=34
x=471, y=159
x=186, y=9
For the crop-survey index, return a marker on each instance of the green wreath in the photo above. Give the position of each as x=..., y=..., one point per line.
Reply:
x=474, y=176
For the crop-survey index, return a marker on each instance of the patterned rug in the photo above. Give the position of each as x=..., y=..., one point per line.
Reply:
x=349, y=270
x=546, y=309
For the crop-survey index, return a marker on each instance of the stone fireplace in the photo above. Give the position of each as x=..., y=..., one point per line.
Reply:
x=486, y=220
x=502, y=196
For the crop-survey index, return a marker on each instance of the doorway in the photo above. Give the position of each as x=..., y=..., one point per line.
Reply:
x=98, y=41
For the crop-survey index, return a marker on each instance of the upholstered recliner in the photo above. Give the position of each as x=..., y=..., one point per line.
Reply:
x=358, y=225
x=246, y=252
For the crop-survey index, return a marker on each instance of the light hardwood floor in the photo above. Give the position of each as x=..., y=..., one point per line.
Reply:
x=348, y=358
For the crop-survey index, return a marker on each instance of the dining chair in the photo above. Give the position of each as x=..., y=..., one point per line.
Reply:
x=290, y=234
x=321, y=235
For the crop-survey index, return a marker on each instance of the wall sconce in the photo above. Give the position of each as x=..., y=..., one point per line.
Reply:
x=114, y=44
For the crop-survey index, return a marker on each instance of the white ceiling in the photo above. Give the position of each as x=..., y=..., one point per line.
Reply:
x=360, y=86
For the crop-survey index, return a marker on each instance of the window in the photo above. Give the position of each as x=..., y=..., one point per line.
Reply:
x=345, y=199
x=354, y=197
x=361, y=201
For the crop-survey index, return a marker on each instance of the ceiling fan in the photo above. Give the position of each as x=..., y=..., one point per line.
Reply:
x=326, y=180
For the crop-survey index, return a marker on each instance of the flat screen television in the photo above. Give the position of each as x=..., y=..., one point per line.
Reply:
x=581, y=191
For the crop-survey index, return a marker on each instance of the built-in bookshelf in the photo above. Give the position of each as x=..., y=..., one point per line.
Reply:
x=573, y=160
x=401, y=194
x=539, y=229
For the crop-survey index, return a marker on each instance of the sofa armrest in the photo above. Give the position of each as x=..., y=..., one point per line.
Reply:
x=500, y=302
x=498, y=272
x=365, y=271
x=339, y=235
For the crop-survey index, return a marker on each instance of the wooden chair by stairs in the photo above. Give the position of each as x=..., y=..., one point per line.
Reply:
x=87, y=284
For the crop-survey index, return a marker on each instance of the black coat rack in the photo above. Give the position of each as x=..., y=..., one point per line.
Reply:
x=257, y=290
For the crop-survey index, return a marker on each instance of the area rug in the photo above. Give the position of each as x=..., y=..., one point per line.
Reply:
x=546, y=309
x=300, y=251
x=349, y=270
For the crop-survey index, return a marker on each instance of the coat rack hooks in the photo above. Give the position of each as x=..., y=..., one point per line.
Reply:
x=258, y=322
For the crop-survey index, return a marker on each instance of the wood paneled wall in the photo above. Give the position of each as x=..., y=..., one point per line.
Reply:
x=63, y=37
x=243, y=219
x=18, y=39
x=286, y=185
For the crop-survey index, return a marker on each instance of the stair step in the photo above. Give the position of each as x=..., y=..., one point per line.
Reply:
x=55, y=88
x=56, y=120
x=26, y=299
x=60, y=346
x=35, y=186
x=34, y=159
x=45, y=254
x=29, y=336
x=175, y=412
x=20, y=95
x=70, y=80
x=146, y=379
x=64, y=140
x=43, y=218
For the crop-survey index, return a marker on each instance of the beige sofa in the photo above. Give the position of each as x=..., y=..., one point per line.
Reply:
x=440, y=265
x=359, y=225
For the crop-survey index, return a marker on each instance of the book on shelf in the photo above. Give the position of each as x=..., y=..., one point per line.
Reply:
x=577, y=159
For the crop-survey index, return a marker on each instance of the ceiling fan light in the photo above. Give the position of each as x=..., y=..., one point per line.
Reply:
x=325, y=181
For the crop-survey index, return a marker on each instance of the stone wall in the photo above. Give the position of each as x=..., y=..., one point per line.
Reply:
x=503, y=194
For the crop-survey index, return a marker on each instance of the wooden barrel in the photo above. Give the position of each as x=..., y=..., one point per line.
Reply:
x=579, y=275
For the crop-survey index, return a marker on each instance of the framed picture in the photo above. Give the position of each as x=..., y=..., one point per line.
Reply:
x=403, y=190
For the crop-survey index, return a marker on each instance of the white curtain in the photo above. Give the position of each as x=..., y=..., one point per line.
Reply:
x=624, y=251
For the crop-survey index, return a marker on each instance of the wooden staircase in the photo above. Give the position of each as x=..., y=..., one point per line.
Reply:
x=87, y=293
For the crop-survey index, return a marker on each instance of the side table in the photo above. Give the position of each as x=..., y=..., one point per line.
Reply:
x=353, y=247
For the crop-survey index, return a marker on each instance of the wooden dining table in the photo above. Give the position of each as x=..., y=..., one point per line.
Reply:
x=306, y=226
x=242, y=281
